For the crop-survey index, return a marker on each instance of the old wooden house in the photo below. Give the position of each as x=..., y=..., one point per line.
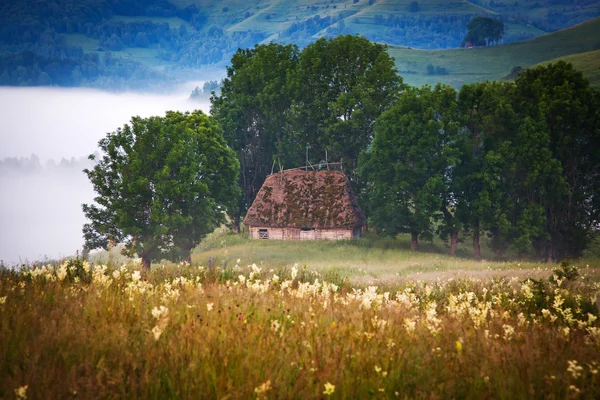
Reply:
x=305, y=205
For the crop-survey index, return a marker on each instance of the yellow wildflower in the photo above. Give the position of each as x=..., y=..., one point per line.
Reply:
x=459, y=346
x=21, y=392
x=329, y=389
x=263, y=388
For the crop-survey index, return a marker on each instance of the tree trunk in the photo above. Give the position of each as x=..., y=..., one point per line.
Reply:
x=236, y=223
x=188, y=258
x=476, y=246
x=414, y=241
x=549, y=252
x=453, y=242
x=538, y=253
x=145, y=265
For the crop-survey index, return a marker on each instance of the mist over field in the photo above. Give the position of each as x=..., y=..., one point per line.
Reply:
x=46, y=135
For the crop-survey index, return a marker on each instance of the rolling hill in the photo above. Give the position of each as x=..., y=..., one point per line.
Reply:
x=578, y=44
x=120, y=44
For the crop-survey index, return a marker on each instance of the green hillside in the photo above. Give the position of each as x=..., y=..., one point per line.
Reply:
x=491, y=63
x=588, y=63
x=117, y=44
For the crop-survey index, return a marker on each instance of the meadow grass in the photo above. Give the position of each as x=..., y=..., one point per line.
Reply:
x=373, y=259
x=89, y=331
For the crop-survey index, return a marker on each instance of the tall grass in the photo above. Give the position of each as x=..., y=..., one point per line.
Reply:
x=84, y=331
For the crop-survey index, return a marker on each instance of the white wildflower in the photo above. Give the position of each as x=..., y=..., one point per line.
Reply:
x=157, y=331
x=574, y=368
x=136, y=276
x=158, y=312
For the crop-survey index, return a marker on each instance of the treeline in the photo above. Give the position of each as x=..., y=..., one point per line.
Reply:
x=35, y=51
x=301, y=32
x=440, y=31
x=517, y=163
x=73, y=68
x=542, y=15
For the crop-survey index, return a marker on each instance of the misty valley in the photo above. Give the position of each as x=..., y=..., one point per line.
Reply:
x=46, y=135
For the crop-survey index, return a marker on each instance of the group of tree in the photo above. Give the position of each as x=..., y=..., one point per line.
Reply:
x=518, y=162
x=483, y=31
x=278, y=102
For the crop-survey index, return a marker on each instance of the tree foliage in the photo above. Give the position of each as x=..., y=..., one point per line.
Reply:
x=409, y=165
x=483, y=31
x=519, y=161
x=253, y=109
x=277, y=100
x=342, y=86
x=162, y=184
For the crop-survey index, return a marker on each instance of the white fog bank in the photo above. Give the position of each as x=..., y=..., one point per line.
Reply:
x=55, y=123
x=41, y=197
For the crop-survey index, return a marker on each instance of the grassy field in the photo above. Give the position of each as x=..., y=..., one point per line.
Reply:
x=76, y=330
x=492, y=63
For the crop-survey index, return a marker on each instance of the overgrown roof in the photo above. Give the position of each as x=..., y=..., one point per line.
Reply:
x=306, y=199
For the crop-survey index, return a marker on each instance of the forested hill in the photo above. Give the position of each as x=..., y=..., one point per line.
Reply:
x=128, y=43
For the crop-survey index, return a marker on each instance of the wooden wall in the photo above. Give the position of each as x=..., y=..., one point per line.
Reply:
x=257, y=232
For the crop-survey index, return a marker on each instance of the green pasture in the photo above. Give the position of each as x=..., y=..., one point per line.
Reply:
x=492, y=63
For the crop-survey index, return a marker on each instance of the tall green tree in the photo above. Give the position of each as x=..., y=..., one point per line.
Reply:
x=253, y=109
x=162, y=184
x=409, y=165
x=560, y=100
x=343, y=84
x=523, y=171
x=488, y=118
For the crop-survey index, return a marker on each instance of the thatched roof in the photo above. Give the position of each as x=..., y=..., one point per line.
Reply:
x=305, y=199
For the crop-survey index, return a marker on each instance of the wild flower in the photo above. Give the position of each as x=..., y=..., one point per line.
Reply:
x=294, y=271
x=136, y=276
x=61, y=272
x=262, y=389
x=574, y=368
x=459, y=346
x=410, y=325
x=275, y=325
x=329, y=389
x=2, y=300
x=159, y=312
x=509, y=332
x=574, y=389
x=21, y=392
x=157, y=331
x=209, y=306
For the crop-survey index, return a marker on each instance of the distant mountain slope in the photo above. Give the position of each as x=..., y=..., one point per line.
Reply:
x=125, y=43
x=460, y=66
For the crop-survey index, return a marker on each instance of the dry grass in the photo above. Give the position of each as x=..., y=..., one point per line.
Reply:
x=241, y=332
